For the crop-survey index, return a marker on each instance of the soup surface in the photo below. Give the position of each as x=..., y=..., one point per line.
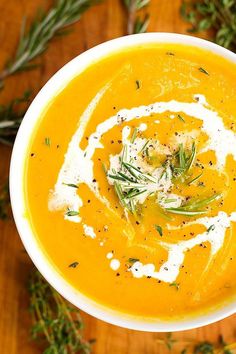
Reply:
x=130, y=181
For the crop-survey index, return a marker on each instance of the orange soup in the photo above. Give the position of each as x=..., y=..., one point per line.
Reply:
x=130, y=181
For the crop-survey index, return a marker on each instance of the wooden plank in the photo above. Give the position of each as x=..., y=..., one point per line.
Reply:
x=103, y=22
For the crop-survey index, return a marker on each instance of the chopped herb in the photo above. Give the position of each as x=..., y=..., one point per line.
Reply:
x=133, y=260
x=159, y=230
x=104, y=168
x=47, y=141
x=138, y=84
x=176, y=285
x=195, y=178
x=211, y=228
x=72, y=213
x=71, y=185
x=134, y=136
x=180, y=118
x=203, y=71
x=73, y=265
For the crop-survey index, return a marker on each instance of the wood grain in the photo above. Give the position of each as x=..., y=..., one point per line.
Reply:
x=101, y=23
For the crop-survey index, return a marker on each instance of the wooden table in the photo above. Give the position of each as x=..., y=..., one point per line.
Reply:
x=103, y=22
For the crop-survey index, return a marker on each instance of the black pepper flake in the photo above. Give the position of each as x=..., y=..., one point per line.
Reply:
x=117, y=274
x=94, y=180
x=32, y=154
x=137, y=222
x=89, y=200
x=58, y=146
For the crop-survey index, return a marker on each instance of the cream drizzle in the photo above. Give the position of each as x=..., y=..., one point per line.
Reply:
x=169, y=270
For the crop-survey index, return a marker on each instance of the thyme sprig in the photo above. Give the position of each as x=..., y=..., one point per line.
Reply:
x=216, y=15
x=136, y=24
x=42, y=30
x=191, y=346
x=57, y=323
x=11, y=116
x=4, y=201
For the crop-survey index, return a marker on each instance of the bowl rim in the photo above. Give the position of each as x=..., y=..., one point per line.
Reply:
x=56, y=83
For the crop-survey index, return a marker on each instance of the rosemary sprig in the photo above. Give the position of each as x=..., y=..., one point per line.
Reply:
x=219, y=16
x=42, y=30
x=194, y=207
x=56, y=322
x=135, y=24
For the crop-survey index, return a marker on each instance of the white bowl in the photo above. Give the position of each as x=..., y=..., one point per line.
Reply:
x=55, y=84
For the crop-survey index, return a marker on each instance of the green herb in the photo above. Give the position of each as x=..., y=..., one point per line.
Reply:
x=4, y=201
x=71, y=185
x=193, y=207
x=138, y=84
x=47, y=141
x=42, y=30
x=11, y=116
x=180, y=118
x=74, y=265
x=170, y=341
x=203, y=71
x=218, y=16
x=134, y=136
x=211, y=228
x=195, y=179
x=133, y=260
x=57, y=324
x=194, y=347
x=182, y=161
x=176, y=285
x=159, y=230
x=182, y=211
x=136, y=24
x=72, y=213
x=204, y=348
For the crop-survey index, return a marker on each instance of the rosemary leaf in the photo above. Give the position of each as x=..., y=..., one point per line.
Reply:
x=185, y=212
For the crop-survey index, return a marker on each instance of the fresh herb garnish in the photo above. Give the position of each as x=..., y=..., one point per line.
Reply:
x=35, y=41
x=159, y=230
x=57, y=324
x=47, y=141
x=193, y=207
x=176, y=285
x=71, y=185
x=73, y=265
x=195, y=178
x=211, y=228
x=134, y=136
x=72, y=213
x=217, y=16
x=133, y=260
x=202, y=70
x=180, y=118
x=4, y=201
